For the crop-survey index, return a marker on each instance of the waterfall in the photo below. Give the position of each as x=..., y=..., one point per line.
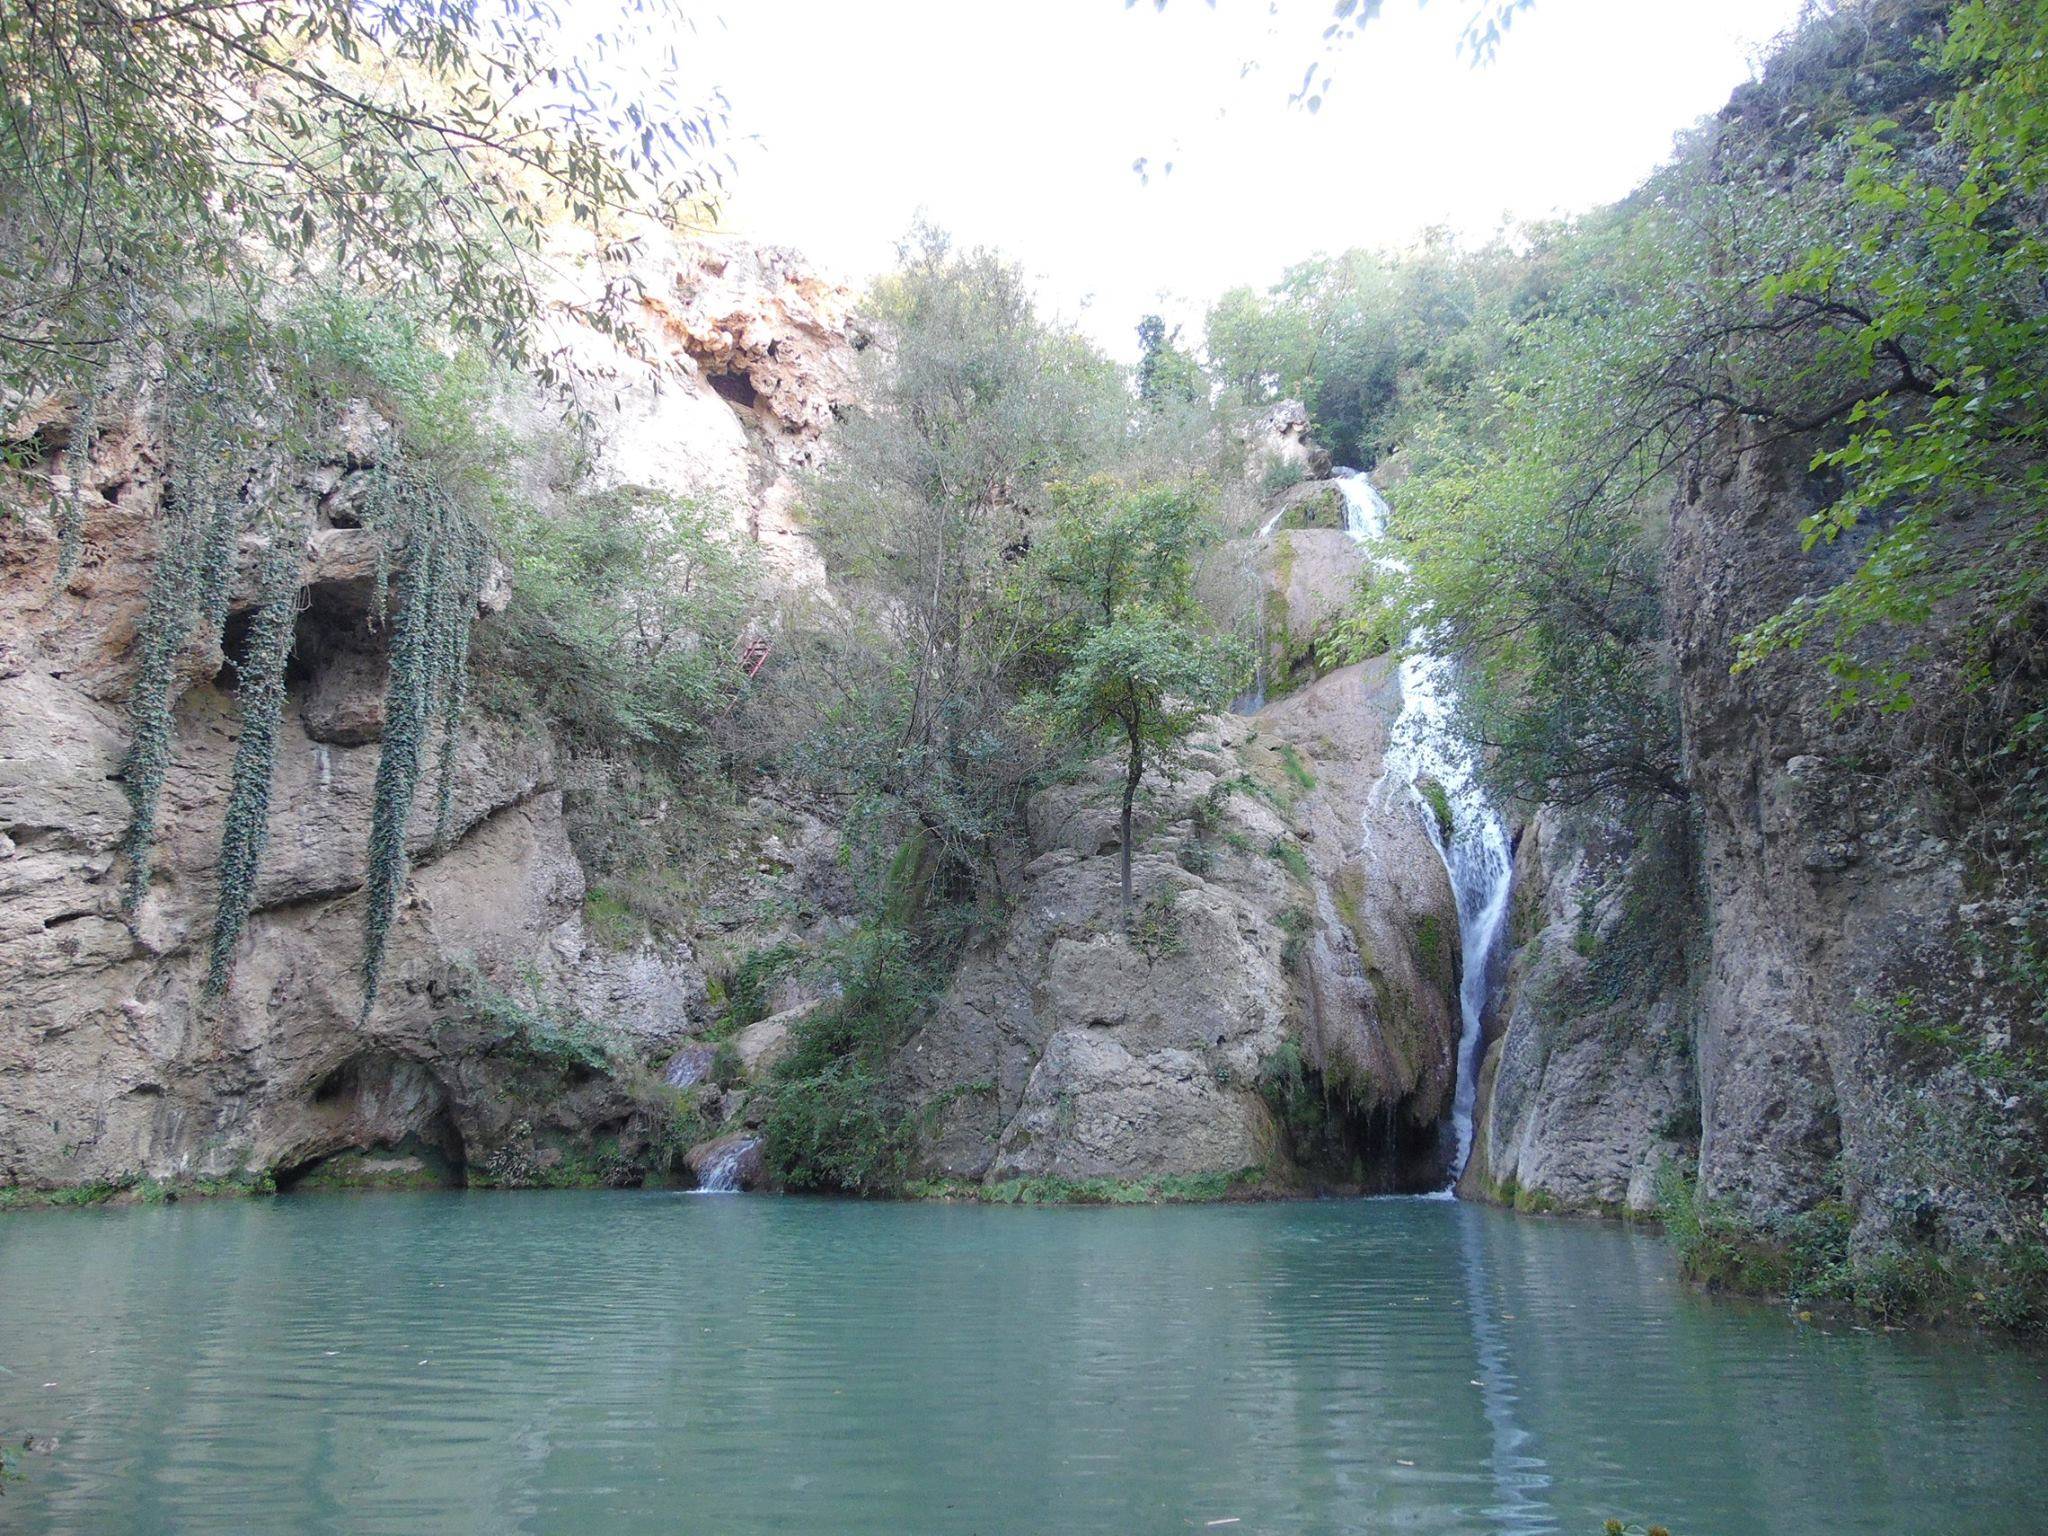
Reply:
x=1424, y=748
x=1253, y=699
x=720, y=1174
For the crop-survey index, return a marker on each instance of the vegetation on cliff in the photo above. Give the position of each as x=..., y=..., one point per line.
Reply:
x=1838, y=282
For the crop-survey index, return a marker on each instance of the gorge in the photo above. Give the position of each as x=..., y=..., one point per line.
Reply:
x=520, y=708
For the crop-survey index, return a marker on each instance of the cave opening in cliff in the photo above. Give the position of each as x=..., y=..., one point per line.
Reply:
x=351, y=1140
x=1348, y=1143
x=736, y=388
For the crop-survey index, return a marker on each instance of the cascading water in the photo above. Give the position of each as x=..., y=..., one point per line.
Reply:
x=721, y=1174
x=1253, y=699
x=1424, y=749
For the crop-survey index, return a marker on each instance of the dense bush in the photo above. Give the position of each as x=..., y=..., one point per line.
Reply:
x=832, y=1121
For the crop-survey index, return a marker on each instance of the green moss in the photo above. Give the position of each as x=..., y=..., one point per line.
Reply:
x=1325, y=509
x=1429, y=944
x=1159, y=1189
x=1295, y=769
x=1288, y=855
x=1438, y=799
x=134, y=1191
x=610, y=920
x=362, y=1171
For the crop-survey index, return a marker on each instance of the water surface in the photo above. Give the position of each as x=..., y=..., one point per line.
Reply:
x=640, y=1362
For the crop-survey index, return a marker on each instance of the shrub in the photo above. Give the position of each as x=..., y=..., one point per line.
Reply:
x=747, y=989
x=1280, y=474
x=551, y=1036
x=831, y=1131
x=1156, y=928
x=1297, y=923
x=1290, y=858
x=831, y=1122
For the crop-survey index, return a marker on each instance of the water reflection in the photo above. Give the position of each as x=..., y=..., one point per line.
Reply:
x=1518, y=1472
x=627, y=1363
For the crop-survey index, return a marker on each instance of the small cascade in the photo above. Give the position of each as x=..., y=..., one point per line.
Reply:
x=1438, y=769
x=1253, y=699
x=720, y=1174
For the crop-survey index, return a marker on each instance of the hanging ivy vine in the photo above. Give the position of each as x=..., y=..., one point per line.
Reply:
x=190, y=582
x=261, y=691
x=239, y=413
x=441, y=558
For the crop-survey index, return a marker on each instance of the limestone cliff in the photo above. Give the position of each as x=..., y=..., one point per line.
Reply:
x=112, y=1068
x=1783, y=955
x=1282, y=1009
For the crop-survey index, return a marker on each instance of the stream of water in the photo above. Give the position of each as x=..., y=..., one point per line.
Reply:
x=620, y=1363
x=1425, y=749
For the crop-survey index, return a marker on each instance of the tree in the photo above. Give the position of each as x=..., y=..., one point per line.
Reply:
x=1116, y=628
x=1165, y=372
x=162, y=160
x=933, y=495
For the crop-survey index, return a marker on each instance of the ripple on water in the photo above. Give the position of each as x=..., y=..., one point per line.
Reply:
x=621, y=1363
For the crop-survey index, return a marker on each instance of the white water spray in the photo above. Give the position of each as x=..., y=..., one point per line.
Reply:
x=1424, y=747
x=721, y=1175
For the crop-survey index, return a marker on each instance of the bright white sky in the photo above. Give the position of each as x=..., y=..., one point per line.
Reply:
x=1015, y=125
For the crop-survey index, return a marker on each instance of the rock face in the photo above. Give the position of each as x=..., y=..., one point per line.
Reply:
x=112, y=1068
x=756, y=356
x=1733, y=986
x=1309, y=576
x=1281, y=436
x=1839, y=879
x=1291, y=928
x=1587, y=1086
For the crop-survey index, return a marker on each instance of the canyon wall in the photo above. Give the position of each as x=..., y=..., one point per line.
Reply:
x=113, y=1067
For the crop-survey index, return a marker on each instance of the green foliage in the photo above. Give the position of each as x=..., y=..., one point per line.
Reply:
x=444, y=559
x=747, y=989
x=1166, y=373
x=1286, y=852
x=246, y=826
x=929, y=501
x=1938, y=319
x=626, y=621
x=160, y=161
x=209, y=423
x=832, y=1131
x=550, y=1036
x=1295, y=769
x=1361, y=336
x=1281, y=474
x=830, y=1121
x=69, y=503
x=625, y=632
x=1314, y=1116
x=1809, y=1259
x=1297, y=923
x=1112, y=590
x=1156, y=929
